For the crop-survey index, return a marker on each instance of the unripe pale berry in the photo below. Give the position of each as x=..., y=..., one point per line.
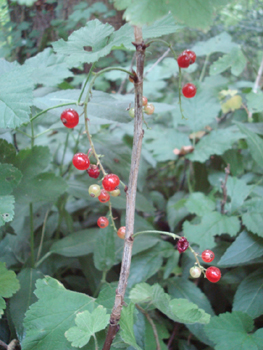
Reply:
x=121, y=232
x=115, y=193
x=144, y=101
x=131, y=112
x=195, y=271
x=103, y=222
x=149, y=109
x=94, y=191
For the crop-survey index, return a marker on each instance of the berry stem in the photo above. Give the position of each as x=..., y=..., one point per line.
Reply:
x=86, y=82
x=64, y=153
x=32, y=241
x=111, y=217
x=53, y=107
x=204, y=68
x=180, y=93
x=196, y=258
x=157, y=232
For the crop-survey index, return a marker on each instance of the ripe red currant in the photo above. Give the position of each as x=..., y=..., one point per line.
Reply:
x=131, y=112
x=213, y=274
x=189, y=90
x=94, y=191
x=208, y=256
x=115, y=193
x=191, y=55
x=144, y=101
x=149, y=109
x=104, y=196
x=195, y=271
x=183, y=60
x=70, y=118
x=110, y=182
x=81, y=161
x=93, y=171
x=121, y=232
x=103, y=222
x=182, y=245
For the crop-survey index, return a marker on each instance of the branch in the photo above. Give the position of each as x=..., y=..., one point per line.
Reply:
x=131, y=192
x=256, y=85
x=158, y=346
x=223, y=186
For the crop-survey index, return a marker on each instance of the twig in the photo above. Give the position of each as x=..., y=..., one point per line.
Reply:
x=42, y=235
x=171, y=339
x=256, y=85
x=125, y=79
x=3, y=345
x=223, y=186
x=131, y=192
x=158, y=346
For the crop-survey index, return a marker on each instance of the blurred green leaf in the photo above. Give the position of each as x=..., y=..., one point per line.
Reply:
x=6, y=209
x=199, y=204
x=9, y=178
x=238, y=191
x=219, y=43
x=126, y=326
x=104, y=250
x=255, y=102
x=176, y=209
x=7, y=152
x=234, y=60
x=8, y=285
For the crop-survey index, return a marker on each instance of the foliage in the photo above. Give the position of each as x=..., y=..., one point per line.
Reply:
x=67, y=268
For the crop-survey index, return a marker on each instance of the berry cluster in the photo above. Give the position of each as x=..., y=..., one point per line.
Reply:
x=81, y=161
x=213, y=274
x=148, y=108
x=184, y=60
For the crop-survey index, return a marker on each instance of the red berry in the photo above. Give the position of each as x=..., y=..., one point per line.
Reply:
x=182, y=245
x=93, y=171
x=121, y=232
x=144, y=101
x=69, y=118
x=110, y=182
x=183, y=60
x=103, y=222
x=191, y=55
x=189, y=90
x=208, y=256
x=213, y=274
x=149, y=109
x=81, y=161
x=104, y=196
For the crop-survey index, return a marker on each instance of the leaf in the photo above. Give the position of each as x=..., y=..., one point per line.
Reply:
x=88, y=323
x=9, y=178
x=255, y=101
x=199, y=111
x=21, y=301
x=6, y=209
x=199, y=204
x=216, y=142
x=163, y=26
x=43, y=187
x=76, y=244
x=233, y=331
x=219, y=43
x=238, y=191
x=253, y=222
x=47, y=68
x=212, y=224
x=7, y=152
x=52, y=315
x=176, y=210
x=104, y=250
x=234, y=60
x=126, y=326
x=8, y=285
x=245, y=248
x=107, y=295
x=249, y=294
x=232, y=104
x=254, y=142
x=98, y=38
x=16, y=97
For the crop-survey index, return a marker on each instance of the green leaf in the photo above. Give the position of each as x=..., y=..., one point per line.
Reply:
x=47, y=68
x=6, y=209
x=126, y=326
x=212, y=224
x=25, y=2
x=255, y=101
x=200, y=111
x=245, y=248
x=76, y=244
x=88, y=323
x=238, y=191
x=233, y=331
x=199, y=204
x=253, y=222
x=9, y=178
x=98, y=38
x=187, y=312
x=234, y=60
x=16, y=97
x=176, y=210
x=163, y=26
x=8, y=285
x=107, y=295
x=249, y=294
x=7, y=152
x=217, y=142
x=254, y=142
x=21, y=301
x=52, y=315
x=104, y=251
x=219, y=43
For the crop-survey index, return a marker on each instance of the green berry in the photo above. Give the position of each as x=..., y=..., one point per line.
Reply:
x=94, y=191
